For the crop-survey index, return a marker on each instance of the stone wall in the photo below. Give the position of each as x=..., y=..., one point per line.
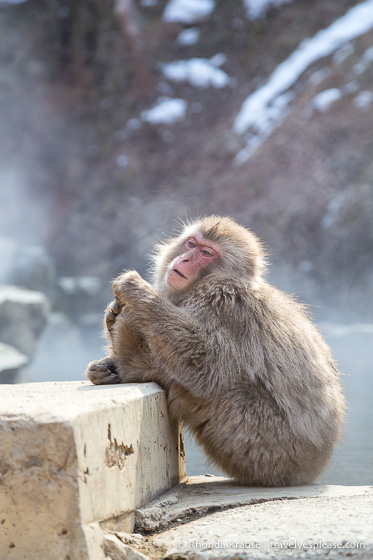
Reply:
x=78, y=459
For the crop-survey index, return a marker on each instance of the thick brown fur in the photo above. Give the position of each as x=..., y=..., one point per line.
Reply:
x=243, y=366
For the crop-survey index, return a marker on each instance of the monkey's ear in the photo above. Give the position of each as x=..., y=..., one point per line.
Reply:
x=164, y=252
x=258, y=255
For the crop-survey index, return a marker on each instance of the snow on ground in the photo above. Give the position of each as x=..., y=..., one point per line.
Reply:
x=11, y=358
x=188, y=37
x=188, y=11
x=199, y=72
x=319, y=76
x=324, y=99
x=363, y=100
x=71, y=285
x=167, y=111
x=364, y=62
x=192, y=11
x=258, y=113
x=256, y=9
x=20, y=295
x=343, y=53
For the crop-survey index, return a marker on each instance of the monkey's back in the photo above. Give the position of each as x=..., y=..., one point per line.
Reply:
x=278, y=408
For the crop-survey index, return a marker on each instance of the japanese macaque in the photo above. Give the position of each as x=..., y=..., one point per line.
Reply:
x=242, y=365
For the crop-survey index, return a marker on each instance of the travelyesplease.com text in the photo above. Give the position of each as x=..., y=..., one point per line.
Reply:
x=275, y=545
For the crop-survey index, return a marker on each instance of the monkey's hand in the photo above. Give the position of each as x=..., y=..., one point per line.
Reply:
x=129, y=287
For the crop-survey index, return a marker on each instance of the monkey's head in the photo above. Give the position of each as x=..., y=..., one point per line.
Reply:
x=210, y=245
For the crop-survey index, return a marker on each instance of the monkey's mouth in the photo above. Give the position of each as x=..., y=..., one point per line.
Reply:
x=179, y=273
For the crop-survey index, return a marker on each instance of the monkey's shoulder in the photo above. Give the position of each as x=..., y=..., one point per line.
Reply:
x=245, y=299
x=275, y=308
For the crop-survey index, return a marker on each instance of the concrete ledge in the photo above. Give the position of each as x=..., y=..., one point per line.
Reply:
x=211, y=518
x=77, y=459
x=202, y=495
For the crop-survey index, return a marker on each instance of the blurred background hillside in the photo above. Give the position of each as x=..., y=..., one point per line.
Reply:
x=117, y=119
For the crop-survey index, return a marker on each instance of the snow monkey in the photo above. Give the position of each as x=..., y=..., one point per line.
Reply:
x=242, y=365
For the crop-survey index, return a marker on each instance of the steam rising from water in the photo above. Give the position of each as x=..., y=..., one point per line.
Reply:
x=23, y=216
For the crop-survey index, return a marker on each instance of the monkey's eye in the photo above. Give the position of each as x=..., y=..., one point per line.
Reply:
x=191, y=244
x=207, y=253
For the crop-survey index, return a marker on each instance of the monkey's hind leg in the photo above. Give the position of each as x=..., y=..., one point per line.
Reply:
x=103, y=372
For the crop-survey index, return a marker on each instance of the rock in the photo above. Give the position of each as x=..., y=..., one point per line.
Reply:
x=76, y=295
x=23, y=316
x=117, y=550
x=28, y=266
x=76, y=461
x=12, y=363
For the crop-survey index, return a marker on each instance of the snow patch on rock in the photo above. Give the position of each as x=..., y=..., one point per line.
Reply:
x=324, y=99
x=256, y=9
x=188, y=11
x=198, y=72
x=13, y=294
x=365, y=61
x=363, y=100
x=167, y=111
x=11, y=358
x=257, y=111
x=189, y=37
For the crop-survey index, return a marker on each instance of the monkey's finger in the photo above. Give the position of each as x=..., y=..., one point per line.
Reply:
x=98, y=366
x=103, y=378
x=116, y=308
x=110, y=320
x=110, y=317
x=111, y=379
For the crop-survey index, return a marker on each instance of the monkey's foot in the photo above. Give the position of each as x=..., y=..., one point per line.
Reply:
x=112, y=312
x=102, y=372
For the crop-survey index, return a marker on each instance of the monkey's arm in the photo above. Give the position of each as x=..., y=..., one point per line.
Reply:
x=179, y=344
x=134, y=362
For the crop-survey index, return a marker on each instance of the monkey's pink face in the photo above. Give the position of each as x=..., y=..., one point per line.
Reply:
x=198, y=255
